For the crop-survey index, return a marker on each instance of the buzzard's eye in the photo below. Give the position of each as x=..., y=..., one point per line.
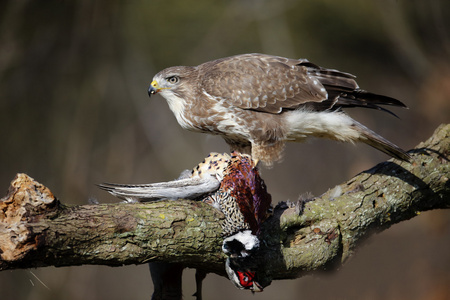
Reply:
x=173, y=79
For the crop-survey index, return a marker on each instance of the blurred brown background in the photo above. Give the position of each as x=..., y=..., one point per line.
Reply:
x=74, y=111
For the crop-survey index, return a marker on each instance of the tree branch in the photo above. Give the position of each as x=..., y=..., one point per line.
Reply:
x=327, y=231
x=36, y=230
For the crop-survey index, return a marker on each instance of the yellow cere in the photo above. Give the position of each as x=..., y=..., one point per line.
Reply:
x=157, y=87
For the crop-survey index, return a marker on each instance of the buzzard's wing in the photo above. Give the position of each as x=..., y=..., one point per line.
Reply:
x=270, y=84
x=261, y=82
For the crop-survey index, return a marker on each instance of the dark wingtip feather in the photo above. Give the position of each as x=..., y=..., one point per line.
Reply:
x=378, y=99
x=361, y=98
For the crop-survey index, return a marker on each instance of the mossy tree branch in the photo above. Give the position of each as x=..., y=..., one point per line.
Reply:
x=37, y=230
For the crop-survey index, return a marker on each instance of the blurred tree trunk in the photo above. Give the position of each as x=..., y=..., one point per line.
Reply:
x=36, y=230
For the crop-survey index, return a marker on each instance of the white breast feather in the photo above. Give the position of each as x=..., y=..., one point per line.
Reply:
x=177, y=106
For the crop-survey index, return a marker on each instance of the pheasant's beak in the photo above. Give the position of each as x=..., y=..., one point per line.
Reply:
x=154, y=88
x=256, y=287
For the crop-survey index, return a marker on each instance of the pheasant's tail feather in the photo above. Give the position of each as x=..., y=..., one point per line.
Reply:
x=128, y=192
x=188, y=188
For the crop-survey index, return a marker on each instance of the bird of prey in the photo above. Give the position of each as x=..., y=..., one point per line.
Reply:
x=257, y=102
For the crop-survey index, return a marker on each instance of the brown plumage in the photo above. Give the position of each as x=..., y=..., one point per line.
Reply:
x=258, y=102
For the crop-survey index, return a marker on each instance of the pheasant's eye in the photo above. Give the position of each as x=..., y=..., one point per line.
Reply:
x=173, y=79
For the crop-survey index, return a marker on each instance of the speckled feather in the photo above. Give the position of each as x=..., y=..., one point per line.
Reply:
x=267, y=83
x=242, y=195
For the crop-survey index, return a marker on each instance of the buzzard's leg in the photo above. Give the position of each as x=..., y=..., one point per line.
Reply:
x=268, y=153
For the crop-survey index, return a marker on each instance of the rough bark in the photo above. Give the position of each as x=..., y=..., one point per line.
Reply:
x=36, y=230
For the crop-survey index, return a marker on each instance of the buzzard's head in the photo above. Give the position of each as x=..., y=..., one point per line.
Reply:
x=175, y=85
x=170, y=80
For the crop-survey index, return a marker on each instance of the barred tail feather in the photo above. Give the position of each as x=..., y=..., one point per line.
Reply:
x=188, y=188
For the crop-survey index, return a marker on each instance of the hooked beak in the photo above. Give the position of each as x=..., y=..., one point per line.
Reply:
x=153, y=89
